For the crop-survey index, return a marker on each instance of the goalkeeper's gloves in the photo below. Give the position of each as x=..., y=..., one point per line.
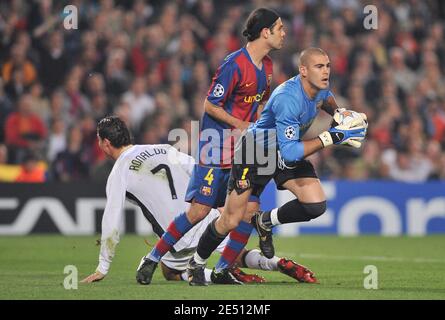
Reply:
x=351, y=134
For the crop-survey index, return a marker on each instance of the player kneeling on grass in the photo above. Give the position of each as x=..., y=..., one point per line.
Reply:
x=155, y=178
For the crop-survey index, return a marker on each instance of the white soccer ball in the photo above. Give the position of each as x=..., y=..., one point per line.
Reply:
x=346, y=117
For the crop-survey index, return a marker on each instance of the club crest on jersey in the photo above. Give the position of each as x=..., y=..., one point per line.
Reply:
x=206, y=191
x=218, y=91
x=243, y=184
x=290, y=132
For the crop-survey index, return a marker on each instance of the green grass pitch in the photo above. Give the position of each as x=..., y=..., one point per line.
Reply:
x=31, y=267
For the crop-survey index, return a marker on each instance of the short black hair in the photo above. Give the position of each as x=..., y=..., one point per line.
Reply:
x=258, y=20
x=115, y=130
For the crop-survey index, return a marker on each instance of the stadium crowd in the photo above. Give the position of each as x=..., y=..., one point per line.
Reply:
x=151, y=62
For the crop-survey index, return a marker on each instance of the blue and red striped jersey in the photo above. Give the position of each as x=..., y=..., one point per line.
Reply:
x=239, y=87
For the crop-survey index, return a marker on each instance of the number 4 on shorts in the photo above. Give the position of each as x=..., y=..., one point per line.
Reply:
x=209, y=177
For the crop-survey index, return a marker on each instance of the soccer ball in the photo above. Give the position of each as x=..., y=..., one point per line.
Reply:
x=345, y=117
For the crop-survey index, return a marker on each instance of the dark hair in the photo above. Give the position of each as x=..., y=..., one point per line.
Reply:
x=258, y=20
x=115, y=130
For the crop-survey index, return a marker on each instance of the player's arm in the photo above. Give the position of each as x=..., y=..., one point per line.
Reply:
x=260, y=109
x=220, y=114
x=111, y=219
x=291, y=147
x=329, y=104
x=186, y=162
x=297, y=150
x=224, y=83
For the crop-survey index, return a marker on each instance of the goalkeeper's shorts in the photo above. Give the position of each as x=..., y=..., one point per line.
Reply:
x=245, y=176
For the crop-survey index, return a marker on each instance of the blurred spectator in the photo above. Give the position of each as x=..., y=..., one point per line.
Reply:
x=39, y=102
x=77, y=102
x=5, y=108
x=90, y=145
x=18, y=62
x=56, y=139
x=71, y=164
x=151, y=62
x=403, y=76
x=403, y=168
x=117, y=78
x=16, y=85
x=3, y=154
x=53, y=62
x=24, y=130
x=31, y=171
x=141, y=104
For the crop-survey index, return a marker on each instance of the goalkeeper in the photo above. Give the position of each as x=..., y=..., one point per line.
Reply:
x=288, y=114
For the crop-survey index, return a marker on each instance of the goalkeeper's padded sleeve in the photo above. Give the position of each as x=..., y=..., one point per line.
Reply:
x=326, y=138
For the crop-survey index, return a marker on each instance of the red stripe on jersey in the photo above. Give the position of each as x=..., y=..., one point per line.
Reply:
x=249, y=95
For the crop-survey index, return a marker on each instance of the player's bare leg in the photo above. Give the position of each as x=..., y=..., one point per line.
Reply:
x=307, y=190
x=310, y=203
x=237, y=239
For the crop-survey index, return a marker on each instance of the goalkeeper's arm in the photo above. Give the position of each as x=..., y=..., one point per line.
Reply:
x=292, y=150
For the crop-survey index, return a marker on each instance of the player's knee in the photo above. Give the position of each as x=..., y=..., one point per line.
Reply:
x=197, y=212
x=314, y=209
x=230, y=222
x=233, y=223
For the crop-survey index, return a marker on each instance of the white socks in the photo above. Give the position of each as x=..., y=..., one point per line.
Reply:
x=255, y=260
x=198, y=259
x=274, y=217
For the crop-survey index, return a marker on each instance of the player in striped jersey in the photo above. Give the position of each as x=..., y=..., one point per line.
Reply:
x=154, y=177
x=239, y=88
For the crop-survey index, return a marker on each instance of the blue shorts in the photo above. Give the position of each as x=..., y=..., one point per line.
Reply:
x=208, y=186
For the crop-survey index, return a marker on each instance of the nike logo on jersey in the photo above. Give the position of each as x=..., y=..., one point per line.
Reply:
x=249, y=84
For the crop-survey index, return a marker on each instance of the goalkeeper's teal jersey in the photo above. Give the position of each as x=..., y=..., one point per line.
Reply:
x=289, y=112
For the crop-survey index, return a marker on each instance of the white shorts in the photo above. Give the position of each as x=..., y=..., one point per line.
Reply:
x=188, y=244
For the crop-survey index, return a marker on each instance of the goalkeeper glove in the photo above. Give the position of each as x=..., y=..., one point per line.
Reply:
x=350, y=134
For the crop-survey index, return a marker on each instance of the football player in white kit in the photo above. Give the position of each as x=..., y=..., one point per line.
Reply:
x=155, y=177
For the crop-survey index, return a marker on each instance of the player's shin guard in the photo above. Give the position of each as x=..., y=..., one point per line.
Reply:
x=174, y=233
x=237, y=241
x=209, y=241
